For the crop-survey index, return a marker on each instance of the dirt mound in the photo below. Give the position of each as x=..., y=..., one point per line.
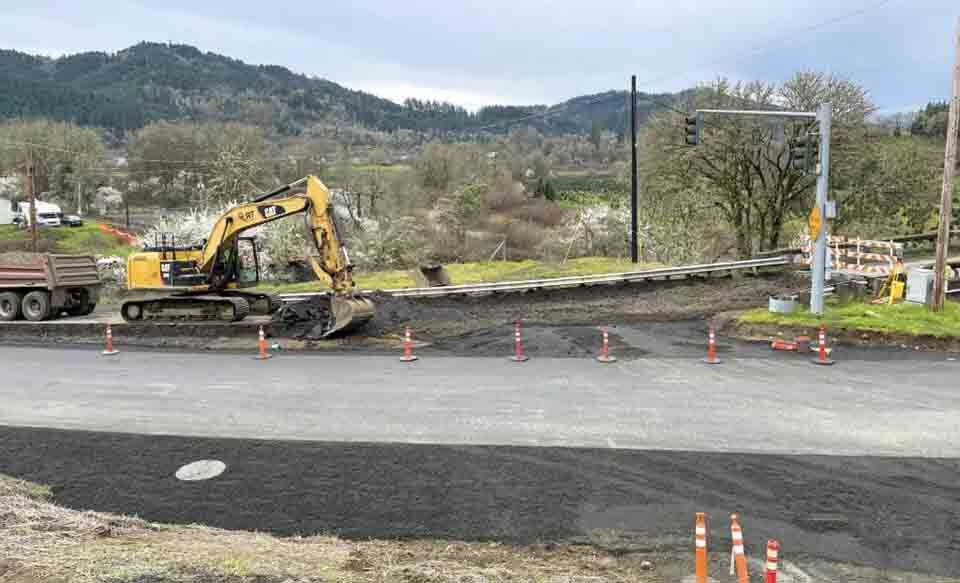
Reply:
x=20, y=258
x=308, y=320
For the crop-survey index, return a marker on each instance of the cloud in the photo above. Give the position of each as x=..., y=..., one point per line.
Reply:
x=522, y=51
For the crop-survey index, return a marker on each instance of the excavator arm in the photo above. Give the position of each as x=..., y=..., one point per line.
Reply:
x=331, y=262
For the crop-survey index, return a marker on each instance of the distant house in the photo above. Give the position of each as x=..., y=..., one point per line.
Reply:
x=107, y=199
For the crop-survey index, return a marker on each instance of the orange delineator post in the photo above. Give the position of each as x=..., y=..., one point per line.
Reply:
x=605, y=350
x=712, y=348
x=700, y=532
x=739, y=557
x=408, y=355
x=822, y=355
x=262, y=345
x=108, y=349
x=518, y=355
x=773, y=556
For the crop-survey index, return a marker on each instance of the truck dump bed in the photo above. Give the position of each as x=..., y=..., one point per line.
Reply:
x=47, y=270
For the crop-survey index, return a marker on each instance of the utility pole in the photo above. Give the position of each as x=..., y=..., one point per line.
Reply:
x=946, y=194
x=31, y=195
x=634, y=196
x=825, y=119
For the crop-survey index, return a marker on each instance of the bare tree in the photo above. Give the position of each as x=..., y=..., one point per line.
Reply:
x=746, y=163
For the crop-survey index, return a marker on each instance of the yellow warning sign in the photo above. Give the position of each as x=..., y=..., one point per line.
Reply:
x=815, y=222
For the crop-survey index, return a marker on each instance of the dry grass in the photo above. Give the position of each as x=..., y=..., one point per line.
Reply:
x=40, y=541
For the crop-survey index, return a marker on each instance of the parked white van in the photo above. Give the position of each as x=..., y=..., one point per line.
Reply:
x=48, y=215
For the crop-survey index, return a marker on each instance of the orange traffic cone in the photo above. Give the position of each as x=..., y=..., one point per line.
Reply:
x=739, y=563
x=407, y=346
x=518, y=355
x=700, y=553
x=108, y=349
x=712, y=348
x=822, y=358
x=773, y=554
x=605, y=350
x=262, y=345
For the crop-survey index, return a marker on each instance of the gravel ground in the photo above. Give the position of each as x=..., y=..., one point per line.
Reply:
x=887, y=513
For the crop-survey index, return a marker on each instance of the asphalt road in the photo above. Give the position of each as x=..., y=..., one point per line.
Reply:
x=776, y=404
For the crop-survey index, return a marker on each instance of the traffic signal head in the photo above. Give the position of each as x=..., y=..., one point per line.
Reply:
x=805, y=153
x=693, y=130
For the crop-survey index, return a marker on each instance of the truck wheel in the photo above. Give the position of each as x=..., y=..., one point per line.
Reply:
x=36, y=306
x=84, y=307
x=9, y=306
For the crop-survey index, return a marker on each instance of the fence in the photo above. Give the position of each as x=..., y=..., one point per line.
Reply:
x=858, y=256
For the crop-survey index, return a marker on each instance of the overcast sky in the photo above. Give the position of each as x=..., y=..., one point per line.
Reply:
x=525, y=51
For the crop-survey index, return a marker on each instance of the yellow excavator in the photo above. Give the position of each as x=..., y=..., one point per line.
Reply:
x=207, y=280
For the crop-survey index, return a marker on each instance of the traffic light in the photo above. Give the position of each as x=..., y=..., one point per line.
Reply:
x=805, y=153
x=693, y=130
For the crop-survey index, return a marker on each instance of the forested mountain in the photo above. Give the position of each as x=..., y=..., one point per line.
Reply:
x=156, y=81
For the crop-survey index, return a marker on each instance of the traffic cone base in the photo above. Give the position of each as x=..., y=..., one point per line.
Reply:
x=110, y=352
x=409, y=358
x=607, y=358
x=520, y=358
x=824, y=362
x=713, y=360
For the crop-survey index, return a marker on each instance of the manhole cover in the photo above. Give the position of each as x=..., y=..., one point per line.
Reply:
x=201, y=470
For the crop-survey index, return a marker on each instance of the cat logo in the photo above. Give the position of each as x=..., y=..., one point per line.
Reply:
x=270, y=211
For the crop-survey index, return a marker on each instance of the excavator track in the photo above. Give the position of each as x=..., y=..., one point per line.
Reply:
x=186, y=308
x=261, y=304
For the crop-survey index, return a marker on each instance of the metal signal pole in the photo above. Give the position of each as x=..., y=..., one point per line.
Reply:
x=946, y=194
x=634, y=196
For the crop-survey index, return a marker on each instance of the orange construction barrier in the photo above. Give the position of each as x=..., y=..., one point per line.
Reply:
x=407, y=346
x=738, y=556
x=108, y=349
x=700, y=533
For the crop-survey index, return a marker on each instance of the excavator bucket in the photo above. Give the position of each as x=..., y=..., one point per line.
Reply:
x=348, y=314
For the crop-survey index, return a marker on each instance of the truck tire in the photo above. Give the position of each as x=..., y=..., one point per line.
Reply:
x=9, y=306
x=85, y=307
x=36, y=306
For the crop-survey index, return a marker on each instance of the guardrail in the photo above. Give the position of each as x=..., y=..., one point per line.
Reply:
x=570, y=281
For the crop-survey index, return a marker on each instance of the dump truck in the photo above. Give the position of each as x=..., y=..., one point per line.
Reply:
x=41, y=286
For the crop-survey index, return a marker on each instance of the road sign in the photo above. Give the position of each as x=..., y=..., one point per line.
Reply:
x=815, y=222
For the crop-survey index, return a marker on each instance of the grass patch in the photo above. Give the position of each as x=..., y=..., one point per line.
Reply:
x=480, y=272
x=78, y=240
x=899, y=318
